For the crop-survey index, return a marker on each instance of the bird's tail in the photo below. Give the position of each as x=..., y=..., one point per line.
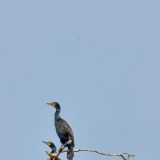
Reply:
x=70, y=154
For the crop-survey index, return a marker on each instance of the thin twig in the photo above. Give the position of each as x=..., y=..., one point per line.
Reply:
x=123, y=155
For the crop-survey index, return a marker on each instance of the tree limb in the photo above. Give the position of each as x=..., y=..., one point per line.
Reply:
x=124, y=156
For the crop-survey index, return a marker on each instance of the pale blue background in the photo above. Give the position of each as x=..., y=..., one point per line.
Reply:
x=100, y=59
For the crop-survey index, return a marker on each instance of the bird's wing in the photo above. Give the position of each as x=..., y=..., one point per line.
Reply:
x=68, y=130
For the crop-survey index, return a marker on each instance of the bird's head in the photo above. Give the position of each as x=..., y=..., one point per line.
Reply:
x=54, y=104
x=50, y=144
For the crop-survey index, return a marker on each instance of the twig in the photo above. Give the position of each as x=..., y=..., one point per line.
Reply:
x=125, y=156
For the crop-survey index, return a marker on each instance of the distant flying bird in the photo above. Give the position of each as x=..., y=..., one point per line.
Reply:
x=63, y=130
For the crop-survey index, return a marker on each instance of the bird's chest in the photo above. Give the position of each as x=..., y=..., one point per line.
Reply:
x=60, y=129
x=59, y=126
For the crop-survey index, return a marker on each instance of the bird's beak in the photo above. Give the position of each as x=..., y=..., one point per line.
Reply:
x=52, y=105
x=45, y=142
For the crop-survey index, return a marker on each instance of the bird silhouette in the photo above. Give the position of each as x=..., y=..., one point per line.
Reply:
x=64, y=131
x=51, y=145
x=53, y=149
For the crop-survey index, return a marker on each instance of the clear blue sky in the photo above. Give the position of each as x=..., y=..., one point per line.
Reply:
x=99, y=59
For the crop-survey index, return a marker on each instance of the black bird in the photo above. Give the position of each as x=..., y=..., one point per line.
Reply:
x=63, y=130
x=51, y=145
x=53, y=149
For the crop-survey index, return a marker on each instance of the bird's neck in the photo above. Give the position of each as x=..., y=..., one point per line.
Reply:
x=57, y=113
x=53, y=150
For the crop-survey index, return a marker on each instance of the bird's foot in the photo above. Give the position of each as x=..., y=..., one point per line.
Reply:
x=69, y=142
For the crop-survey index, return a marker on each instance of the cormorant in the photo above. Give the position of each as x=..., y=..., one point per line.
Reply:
x=51, y=145
x=53, y=149
x=63, y=130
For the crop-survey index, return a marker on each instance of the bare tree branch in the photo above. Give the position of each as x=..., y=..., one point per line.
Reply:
x=124, y=156
x=54, y=156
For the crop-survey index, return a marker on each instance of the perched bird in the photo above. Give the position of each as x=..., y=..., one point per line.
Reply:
x=63, y=130
x=51, y=145
x=53, y=149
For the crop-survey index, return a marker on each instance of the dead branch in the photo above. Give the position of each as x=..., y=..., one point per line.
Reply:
x=124, y=156
x=54, y=156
